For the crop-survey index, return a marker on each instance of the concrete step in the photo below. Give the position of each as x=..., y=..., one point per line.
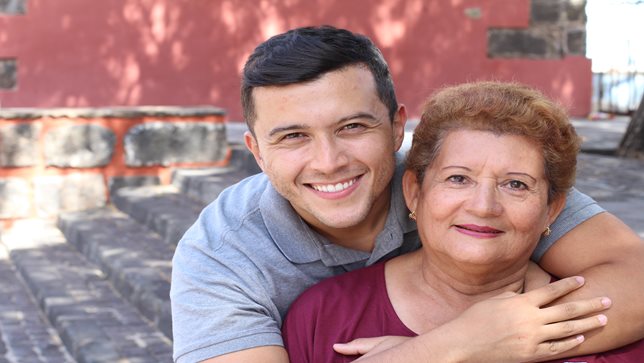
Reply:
x=25, y=334
x=95, y=323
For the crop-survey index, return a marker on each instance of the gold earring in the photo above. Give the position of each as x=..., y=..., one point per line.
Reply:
x=412, y=215
x=547, y=231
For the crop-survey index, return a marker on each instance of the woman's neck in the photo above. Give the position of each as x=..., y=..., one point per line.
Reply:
x=425, y=294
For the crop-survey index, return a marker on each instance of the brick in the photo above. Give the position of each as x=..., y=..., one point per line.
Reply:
x=19, y=145
x=164, y=143
x=15, y=200
x=79, y=146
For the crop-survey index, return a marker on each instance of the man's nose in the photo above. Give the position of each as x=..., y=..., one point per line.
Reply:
x=329, y=156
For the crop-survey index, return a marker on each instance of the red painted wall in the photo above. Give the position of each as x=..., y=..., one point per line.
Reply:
x=190, y=52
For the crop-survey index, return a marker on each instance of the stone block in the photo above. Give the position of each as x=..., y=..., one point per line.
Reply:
x=79, y=146
x=517, y=43
x=8, y=73
x=19, y=144
x=12, y=6
x=15, y=194
x=164, y=143
x=66, y=193
x=576, y=11
x=546, y=11
x=117, y=182
x=576, y=42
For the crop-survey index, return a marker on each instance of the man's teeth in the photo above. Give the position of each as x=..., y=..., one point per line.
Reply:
x=333, y=188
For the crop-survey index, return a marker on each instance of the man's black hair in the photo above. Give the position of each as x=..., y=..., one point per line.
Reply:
x=305, y=54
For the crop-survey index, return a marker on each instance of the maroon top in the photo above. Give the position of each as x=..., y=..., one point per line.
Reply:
x=356, y=305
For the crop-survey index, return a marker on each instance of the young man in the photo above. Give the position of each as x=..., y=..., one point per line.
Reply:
x=325, y=127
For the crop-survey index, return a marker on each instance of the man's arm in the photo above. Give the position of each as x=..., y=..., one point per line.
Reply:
x=268, y=354
x=506, y=328
x=611, y=258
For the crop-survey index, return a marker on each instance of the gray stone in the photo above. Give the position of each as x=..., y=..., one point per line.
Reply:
x=19, y=144
x=117, y=182
x=576, y=42
x=546, y=11
x=79, y=146
x=164, y=143
x=8, y=73
x=576, y=11
x=55, y=194
x=12, y=6
x=14, y=198
x=525, y=43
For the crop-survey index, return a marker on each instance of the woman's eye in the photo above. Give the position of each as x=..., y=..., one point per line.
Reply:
x=458, y=179
x=516, y=184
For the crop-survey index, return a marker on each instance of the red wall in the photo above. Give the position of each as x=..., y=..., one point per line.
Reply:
x=190, y=52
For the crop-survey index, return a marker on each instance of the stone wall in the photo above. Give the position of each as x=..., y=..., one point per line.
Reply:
x=557, y=29
x=54, y=160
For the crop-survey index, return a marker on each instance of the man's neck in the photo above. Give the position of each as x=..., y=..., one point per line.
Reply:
x=361, y=237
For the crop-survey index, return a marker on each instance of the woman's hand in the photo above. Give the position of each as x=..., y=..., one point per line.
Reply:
x=506, y=328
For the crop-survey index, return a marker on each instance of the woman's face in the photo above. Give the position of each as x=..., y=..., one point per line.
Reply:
x=483, y=202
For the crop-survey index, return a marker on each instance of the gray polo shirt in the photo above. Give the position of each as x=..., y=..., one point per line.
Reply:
x=249, y=255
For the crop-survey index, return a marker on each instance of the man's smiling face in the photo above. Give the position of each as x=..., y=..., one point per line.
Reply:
x=328, y=147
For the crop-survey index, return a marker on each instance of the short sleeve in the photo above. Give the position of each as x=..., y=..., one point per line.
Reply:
x=579, y=208
x=217, y=305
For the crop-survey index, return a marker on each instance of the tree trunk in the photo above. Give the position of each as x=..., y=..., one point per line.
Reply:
x=632, y=144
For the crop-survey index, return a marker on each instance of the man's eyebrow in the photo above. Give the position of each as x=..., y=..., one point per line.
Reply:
x=360, y=115
x=279, y=130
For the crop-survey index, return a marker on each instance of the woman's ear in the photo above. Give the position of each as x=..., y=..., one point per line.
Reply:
x=410, y=189
x=556, y=207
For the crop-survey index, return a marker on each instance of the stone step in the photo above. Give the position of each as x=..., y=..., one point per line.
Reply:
x=25, y=334
x=161, y=208
x=136, y=260
x=95, y=323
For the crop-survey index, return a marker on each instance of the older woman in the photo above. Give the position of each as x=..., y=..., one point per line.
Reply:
x=488, y=171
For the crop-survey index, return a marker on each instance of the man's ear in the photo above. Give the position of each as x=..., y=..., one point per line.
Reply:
x=411, y=189
x=253, y=147
x=400, y=120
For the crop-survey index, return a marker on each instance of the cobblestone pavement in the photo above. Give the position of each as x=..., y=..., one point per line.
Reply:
x=25, y=336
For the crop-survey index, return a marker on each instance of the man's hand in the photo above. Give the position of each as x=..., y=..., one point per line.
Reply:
x=506, y=328
x=610, y=257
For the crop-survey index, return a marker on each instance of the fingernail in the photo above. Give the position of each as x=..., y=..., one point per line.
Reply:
x=580, y=280
x=602, y=319
x=580, y=338
x=606, y=302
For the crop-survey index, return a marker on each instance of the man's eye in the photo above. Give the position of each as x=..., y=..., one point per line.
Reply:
x=352, y=126
x=293, y=135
